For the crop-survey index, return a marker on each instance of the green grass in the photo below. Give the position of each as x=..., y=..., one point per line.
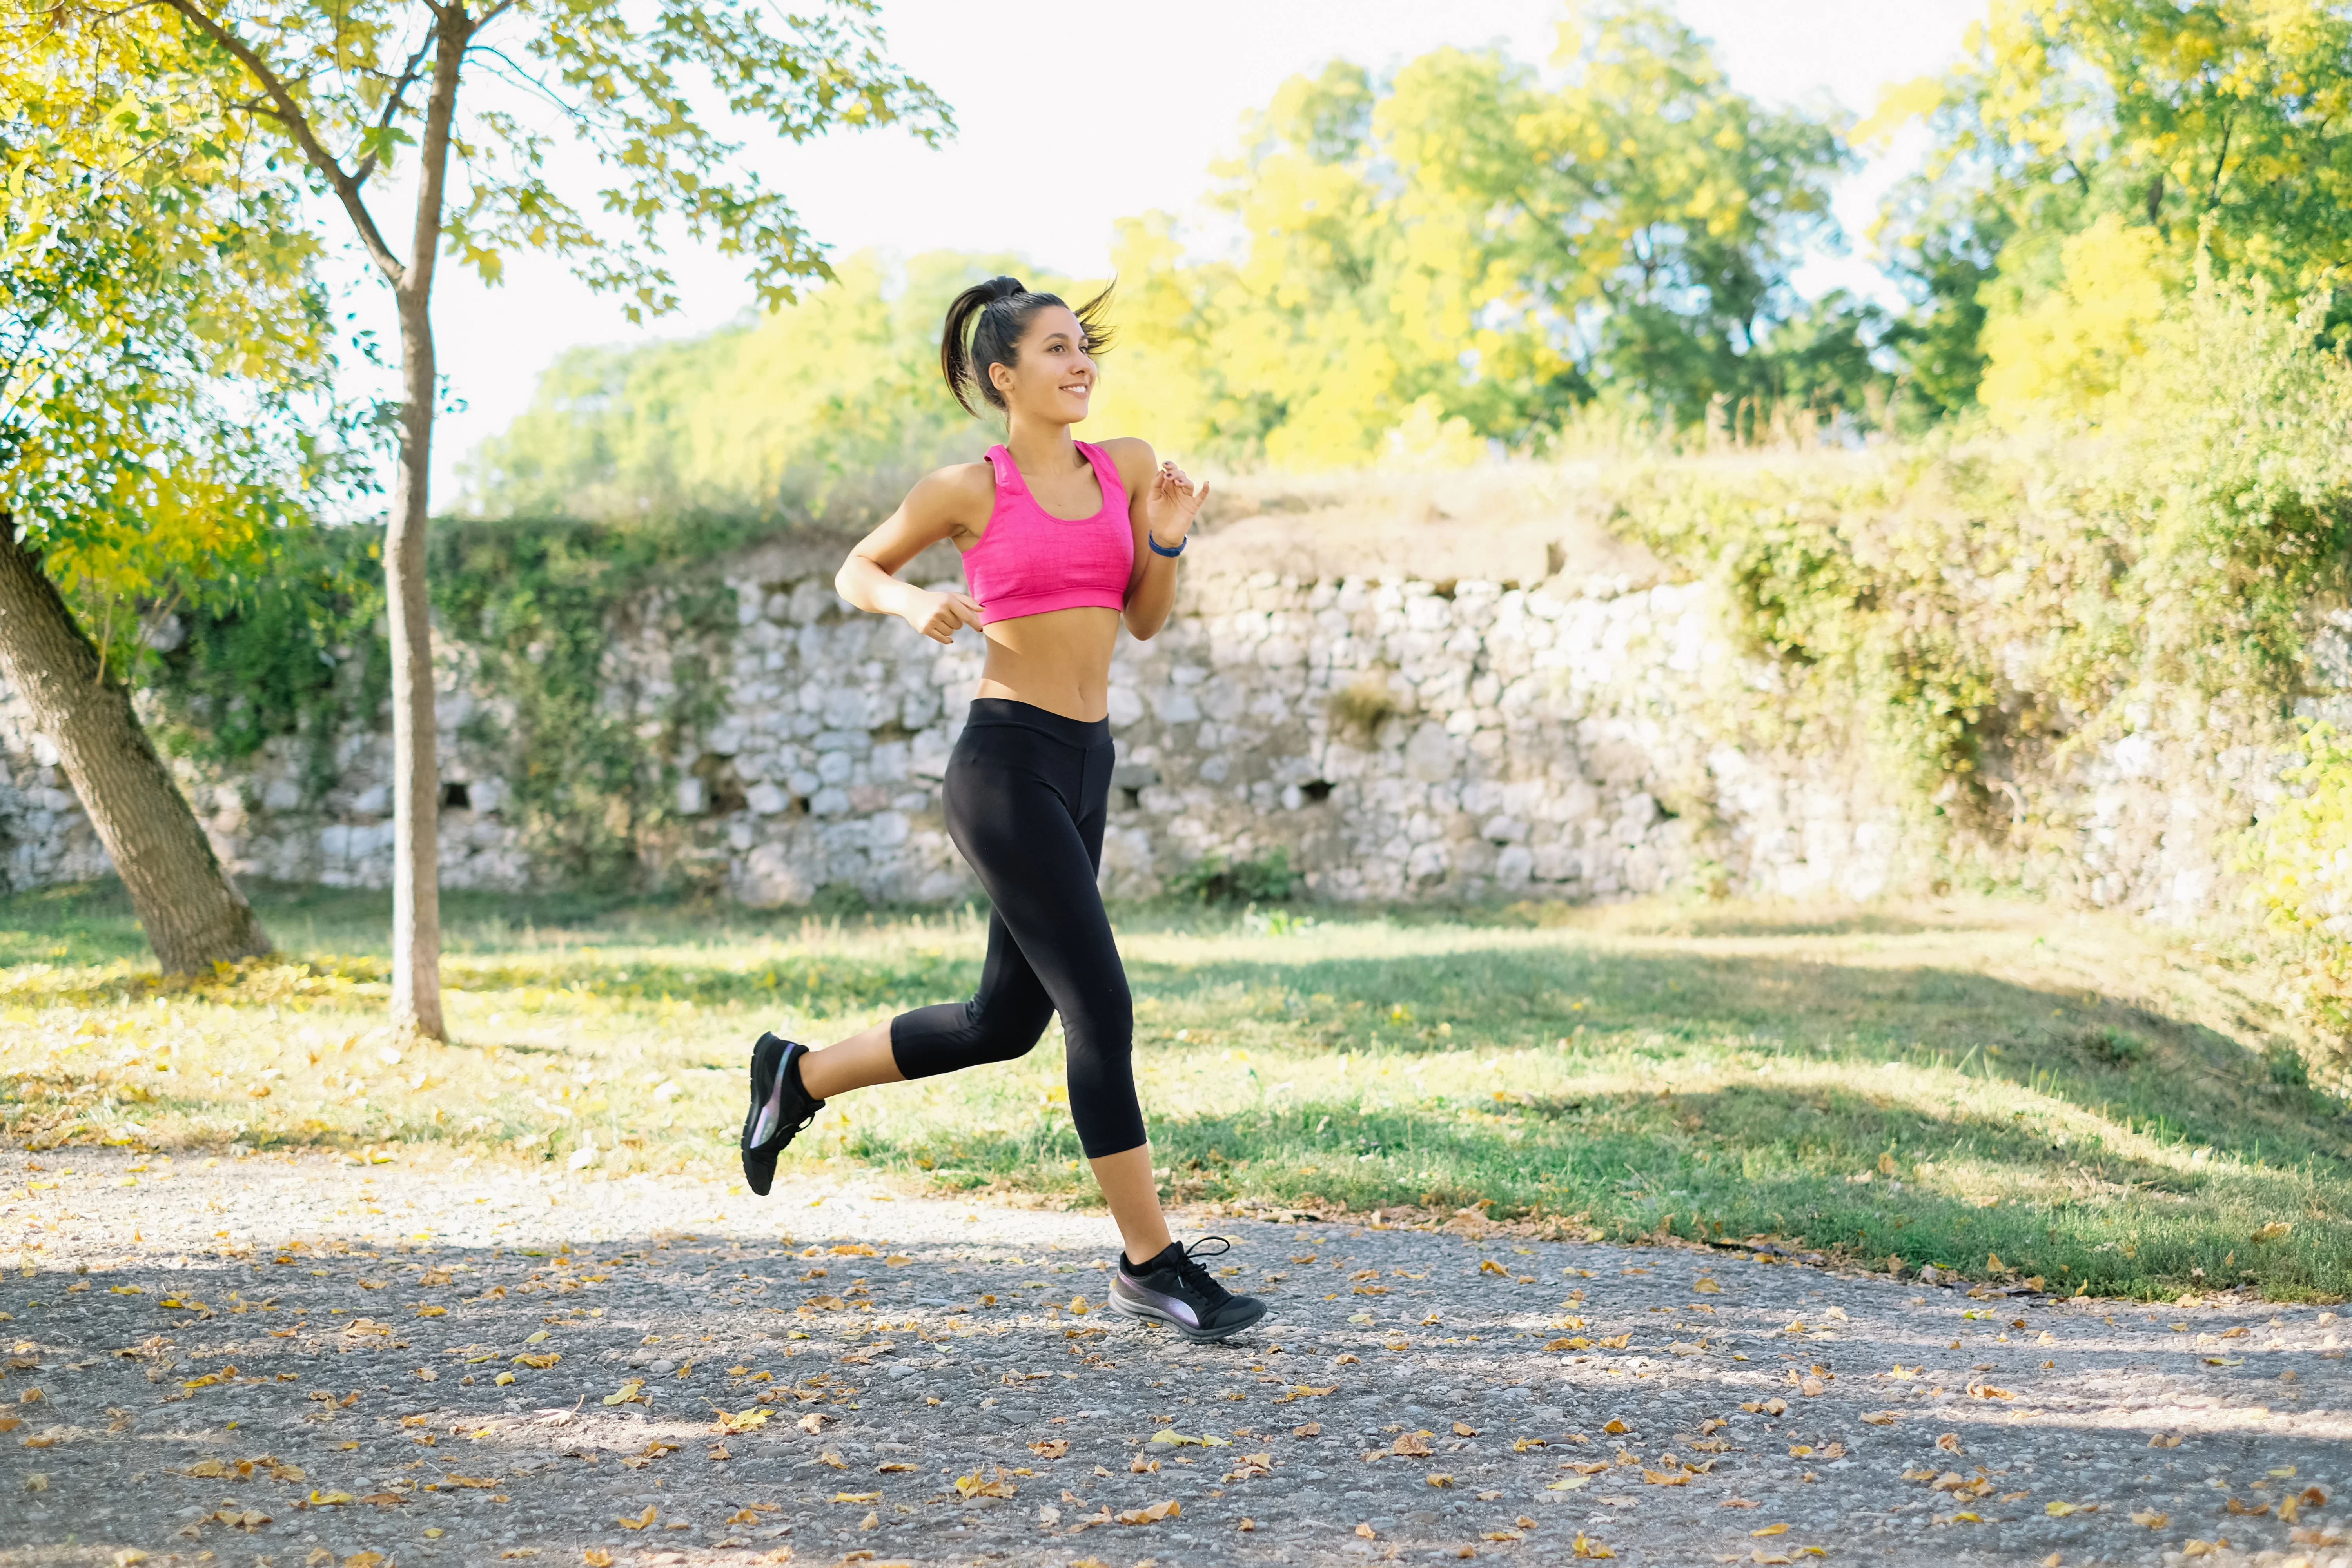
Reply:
x=2095, y=1102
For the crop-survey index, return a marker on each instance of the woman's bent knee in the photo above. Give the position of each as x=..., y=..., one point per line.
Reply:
x=929, y=1041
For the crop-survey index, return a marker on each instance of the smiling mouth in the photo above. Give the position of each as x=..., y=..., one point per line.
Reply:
x=1080, y=388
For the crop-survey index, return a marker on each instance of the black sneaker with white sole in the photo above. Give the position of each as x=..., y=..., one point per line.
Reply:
x=780, y=1107
x=1176, y=1289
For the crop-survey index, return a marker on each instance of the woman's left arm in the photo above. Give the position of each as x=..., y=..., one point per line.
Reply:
x=1160, y=507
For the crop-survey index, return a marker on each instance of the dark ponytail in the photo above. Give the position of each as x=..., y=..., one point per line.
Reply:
x=1003, y=309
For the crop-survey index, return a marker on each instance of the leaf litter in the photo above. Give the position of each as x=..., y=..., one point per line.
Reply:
x=1670, y=1384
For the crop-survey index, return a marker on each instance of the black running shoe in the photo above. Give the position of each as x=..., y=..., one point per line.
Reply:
x=1176, y=1289
x=780, y=1108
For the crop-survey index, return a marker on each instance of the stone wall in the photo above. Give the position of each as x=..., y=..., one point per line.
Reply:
x=1409, y=735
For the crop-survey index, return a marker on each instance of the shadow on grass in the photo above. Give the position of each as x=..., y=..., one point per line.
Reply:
x=2173, y=1078
x=1763, y=1156
x=1727, y=1164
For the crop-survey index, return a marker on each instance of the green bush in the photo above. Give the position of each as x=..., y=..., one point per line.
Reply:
x=2300, y=858
x=2115, y=1048
x=535, y=603
x=1211, y=880
x=1975, y=608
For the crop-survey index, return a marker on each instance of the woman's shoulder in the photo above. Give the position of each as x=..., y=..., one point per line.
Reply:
x=1130, y=455
x=957, y=488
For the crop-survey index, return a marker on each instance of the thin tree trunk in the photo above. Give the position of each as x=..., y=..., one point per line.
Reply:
x=416, y=771
x=192, y=914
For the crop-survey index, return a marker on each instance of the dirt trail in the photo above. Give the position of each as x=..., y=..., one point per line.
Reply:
x=299, y=1360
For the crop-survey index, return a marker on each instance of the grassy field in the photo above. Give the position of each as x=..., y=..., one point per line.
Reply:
x=2098, y=1103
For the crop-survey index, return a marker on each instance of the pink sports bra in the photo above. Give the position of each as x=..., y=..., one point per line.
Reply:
x=1029, y=561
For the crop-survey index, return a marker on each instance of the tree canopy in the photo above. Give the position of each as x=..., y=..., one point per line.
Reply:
x=1465, y=256
x=1474, y=252
x=164, y=343
x=2084, y=151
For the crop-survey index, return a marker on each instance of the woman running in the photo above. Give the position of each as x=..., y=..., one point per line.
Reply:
x=1061, y=540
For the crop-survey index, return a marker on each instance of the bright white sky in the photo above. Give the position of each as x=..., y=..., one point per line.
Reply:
x=1045, y=157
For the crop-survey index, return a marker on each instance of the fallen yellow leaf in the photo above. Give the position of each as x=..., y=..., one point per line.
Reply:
x=972, y=1486
x=642, y=1521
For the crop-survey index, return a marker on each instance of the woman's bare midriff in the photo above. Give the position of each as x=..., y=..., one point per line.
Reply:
x=1059, y=661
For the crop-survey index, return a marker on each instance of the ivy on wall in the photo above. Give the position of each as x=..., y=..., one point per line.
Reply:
x=543, y=602
x=291, y=654
x=539, y=603
x=1975, y=607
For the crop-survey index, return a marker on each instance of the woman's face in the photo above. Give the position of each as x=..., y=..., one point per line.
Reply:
x=1055, y=375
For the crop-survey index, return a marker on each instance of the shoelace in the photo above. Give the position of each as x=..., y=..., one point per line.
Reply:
x=1195, y=1273
x=784, y=1093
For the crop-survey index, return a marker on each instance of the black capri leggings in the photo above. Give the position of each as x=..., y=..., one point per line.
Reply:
x=1027, y=793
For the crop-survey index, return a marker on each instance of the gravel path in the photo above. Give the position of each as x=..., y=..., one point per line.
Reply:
x=308, y=1361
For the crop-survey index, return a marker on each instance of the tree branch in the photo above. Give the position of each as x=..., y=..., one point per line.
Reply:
x=297, y=125
x=2213, y=192
x=520, y=76
x=391, y=105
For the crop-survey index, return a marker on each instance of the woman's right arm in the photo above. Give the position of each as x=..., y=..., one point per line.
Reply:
x=941, y=506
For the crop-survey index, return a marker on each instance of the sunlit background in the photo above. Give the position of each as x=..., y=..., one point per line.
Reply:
x=1071, y=116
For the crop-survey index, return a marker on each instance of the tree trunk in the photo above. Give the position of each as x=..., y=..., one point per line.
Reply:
x=417, y=770
x=192, y=914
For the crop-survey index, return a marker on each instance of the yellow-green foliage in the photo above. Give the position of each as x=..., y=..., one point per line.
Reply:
x=1978, y=603
x=1464, y=254
x=1468, y=253
x=2063, y=353
x=823, y=410
x=161, y=330
x=2084, y=151
x=2301, y=858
